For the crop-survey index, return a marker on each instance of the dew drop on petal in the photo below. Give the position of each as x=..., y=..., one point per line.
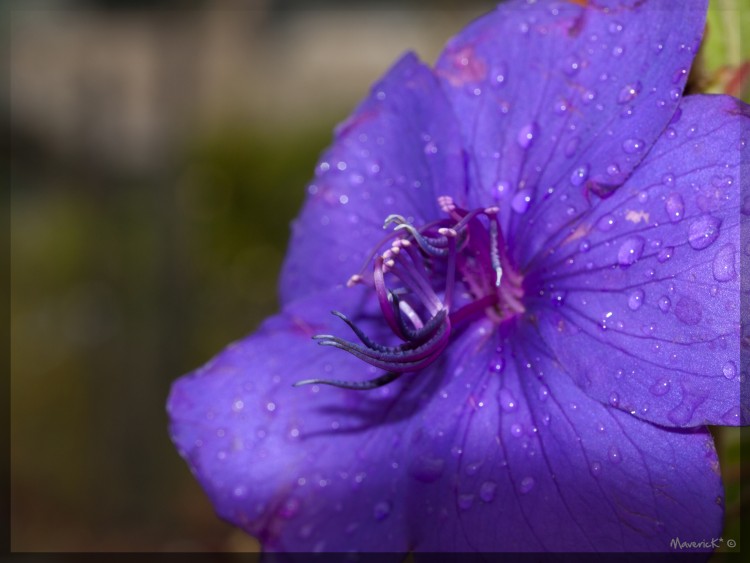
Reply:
x=465, y=501
x=487, y=491
x=543, y=393
x=665, y=254
x=614, y=455
x=427, y=469
x=635, y=300
x=731, y=417
x=579, y=175
x=516, y=430
x=682, y=414
x=521, y=201
x=605, y=223
x=723, y=264
x=664, y=304
x=507, y=401
x=660, y=387
x=632, y=146
x=382, y=510
x=526, y=485
x=630, y=250
x=527, y=134
x=571, y=146
x=675, y=207
x=629, y=93
x=596, y=468
x=729, y=370
x=703, y=232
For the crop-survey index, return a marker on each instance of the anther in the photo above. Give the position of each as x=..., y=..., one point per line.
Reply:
x=354, y=280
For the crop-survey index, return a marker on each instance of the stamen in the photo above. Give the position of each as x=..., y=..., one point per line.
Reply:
x=495, y=253
x=418, y=257
x=380, y=381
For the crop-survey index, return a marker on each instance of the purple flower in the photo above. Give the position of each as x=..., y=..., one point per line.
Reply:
x=538, y=337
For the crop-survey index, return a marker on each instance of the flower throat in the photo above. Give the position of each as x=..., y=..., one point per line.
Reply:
x=429, y=281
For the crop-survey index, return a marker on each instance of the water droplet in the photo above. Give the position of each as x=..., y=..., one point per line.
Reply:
x=290, y=508
x=723, y=264
x=682, y=414
x=605, y=223
x=660, y=387
x=558, y=297
x=465, y=501
x=487, y=491
x=571, y=65
x=675, y=207
x=381, y=511
x=615, y=27
x=679, y=75
x=614, y=399
x=729, y=370
x=613, y=170
x=306, y=531
x=614, y=455
x=688, y=310
x=497, y=365
x=664, y=304
x=430, y=148
x=588, y=96
x=635, y=300
x=507, y=401
x=521, y=201
x=561, y=106
x=731, y=417
x=579, y=175
x=427, y=469
x=629, y=93
x=665, y=254
x=630, y=250
x=501, y=75
x=516, y=430
x=617, y=51
x=543, y=393
x=527, y=484
x=527, y=134
x=571, y=146
x=674, y=94
x=270, y=406
x=632, y=146
x=596, y=468
x=703, y=232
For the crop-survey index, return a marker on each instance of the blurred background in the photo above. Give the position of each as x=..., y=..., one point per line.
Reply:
x=157, y=157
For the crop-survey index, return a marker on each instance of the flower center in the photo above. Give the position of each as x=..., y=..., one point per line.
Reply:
x=430, y=280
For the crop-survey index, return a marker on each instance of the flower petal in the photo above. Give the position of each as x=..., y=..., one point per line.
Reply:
x=537, y=465
x=397, y=153
x=640, y=299
x=557, y=101
x=303, y=469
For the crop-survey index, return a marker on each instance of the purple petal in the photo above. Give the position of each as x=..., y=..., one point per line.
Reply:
x=397, y=153
x=559, y=103
x=304, y=469
x=640, y=300
x=533, y=464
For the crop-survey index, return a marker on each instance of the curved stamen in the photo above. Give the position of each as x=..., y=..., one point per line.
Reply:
x=384, y=379
x=410, y=352
x=419, y=257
